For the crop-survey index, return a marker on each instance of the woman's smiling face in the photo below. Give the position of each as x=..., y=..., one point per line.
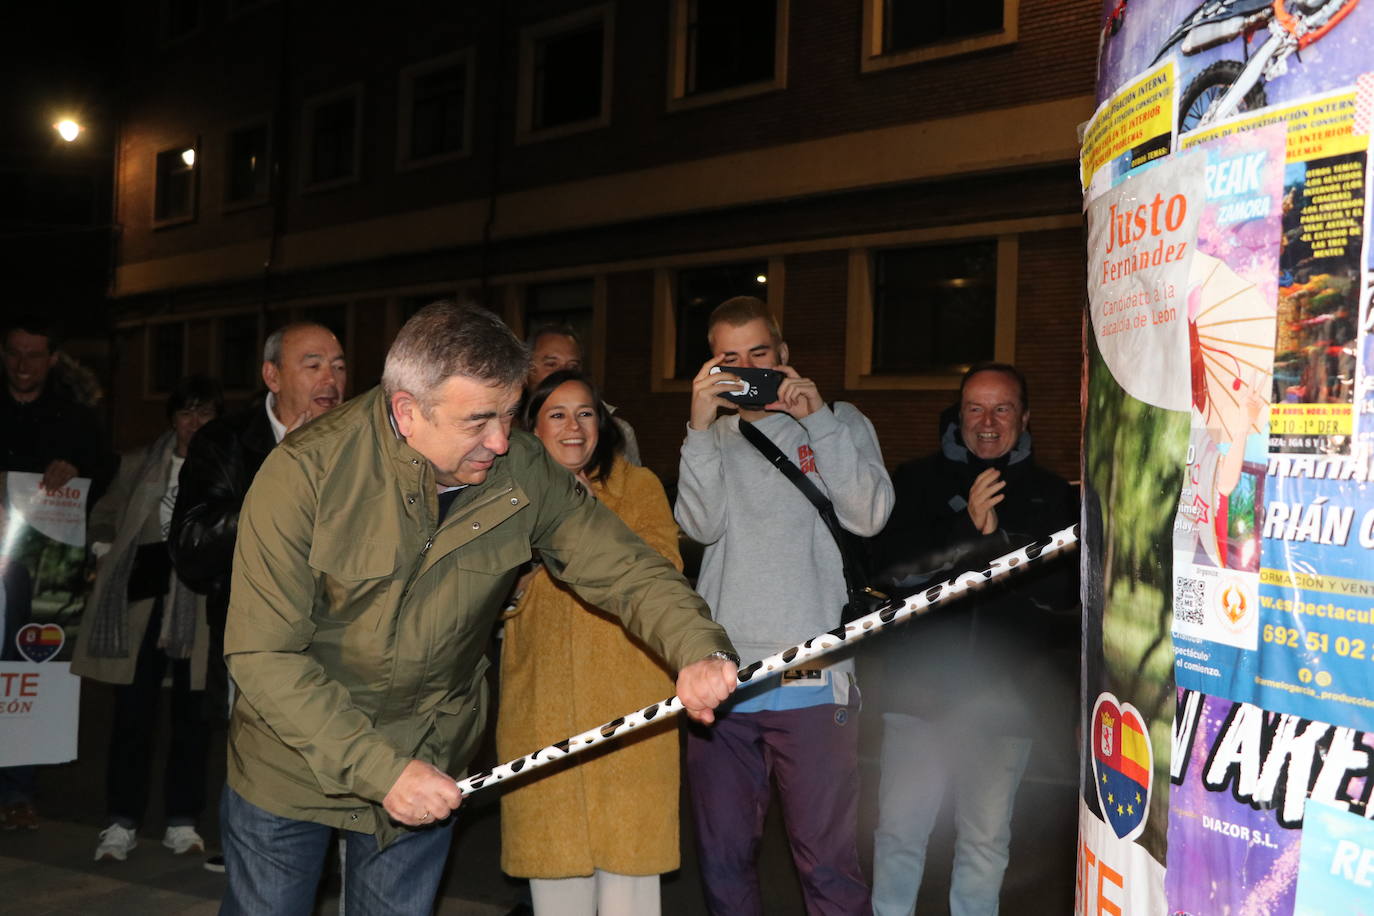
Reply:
x=567, y=425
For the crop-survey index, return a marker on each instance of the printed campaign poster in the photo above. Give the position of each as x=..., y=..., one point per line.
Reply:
x=45, y=533
x=1231, y=320
x=39, y=705
x=1133, y=471
x=1141, y=238
x=1244, y=784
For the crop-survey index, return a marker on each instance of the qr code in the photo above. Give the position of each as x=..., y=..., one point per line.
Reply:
x=1188, y=600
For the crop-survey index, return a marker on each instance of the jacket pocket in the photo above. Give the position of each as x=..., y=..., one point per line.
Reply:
x=355, y=575
x=487, y=569
x=458, y=725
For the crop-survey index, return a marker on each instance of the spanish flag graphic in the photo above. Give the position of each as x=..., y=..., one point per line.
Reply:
x=1122, y=761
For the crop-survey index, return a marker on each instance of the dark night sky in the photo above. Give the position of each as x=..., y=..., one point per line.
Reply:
x=52, y=61
x=54, y=197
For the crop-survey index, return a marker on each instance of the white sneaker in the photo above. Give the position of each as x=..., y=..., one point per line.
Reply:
x=182, y=840
x=115, y=843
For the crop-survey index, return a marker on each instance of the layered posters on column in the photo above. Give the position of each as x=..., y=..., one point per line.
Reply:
x=42, y=567
x=1229, y=428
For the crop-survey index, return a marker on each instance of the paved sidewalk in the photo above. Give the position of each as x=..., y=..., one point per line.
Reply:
x=51, y=872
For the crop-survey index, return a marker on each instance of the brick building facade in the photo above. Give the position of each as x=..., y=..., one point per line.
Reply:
x=613, y=164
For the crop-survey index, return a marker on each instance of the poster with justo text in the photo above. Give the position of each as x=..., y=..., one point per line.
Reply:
x=44, y=532
x=1228, y=530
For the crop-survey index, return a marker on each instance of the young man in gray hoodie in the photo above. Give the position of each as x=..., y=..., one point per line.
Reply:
x=773, y=576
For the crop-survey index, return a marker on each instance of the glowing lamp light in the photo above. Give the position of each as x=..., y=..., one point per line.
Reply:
x=761, y=278
x=67, y=129
x=188, y=156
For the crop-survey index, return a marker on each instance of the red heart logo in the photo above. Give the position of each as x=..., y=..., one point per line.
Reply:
x=39, y=642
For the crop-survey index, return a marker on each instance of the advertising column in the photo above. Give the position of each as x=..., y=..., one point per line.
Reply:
x=1228, y=707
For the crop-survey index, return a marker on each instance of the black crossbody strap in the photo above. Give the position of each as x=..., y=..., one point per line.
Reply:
x=852, y=577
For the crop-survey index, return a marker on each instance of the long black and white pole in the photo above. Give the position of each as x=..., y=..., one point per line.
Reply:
x=818, y=645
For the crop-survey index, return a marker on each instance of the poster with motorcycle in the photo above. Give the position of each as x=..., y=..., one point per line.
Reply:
x=1226, y=769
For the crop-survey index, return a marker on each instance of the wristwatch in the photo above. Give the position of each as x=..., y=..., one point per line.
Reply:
x=724, y=656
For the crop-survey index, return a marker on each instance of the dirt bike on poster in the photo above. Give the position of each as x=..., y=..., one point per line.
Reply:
x=1281, y=29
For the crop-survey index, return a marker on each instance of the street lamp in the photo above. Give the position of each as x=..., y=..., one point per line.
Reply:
x=68, y=129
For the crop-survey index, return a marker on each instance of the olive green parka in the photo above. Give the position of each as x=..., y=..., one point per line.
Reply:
x=356, y=629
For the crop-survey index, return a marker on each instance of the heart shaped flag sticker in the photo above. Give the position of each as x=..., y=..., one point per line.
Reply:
x=1123, y=764
x=39, y=642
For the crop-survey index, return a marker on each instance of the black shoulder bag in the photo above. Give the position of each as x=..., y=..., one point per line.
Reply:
x=862, y=599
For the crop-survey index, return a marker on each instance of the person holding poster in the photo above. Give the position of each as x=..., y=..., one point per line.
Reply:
x=140, y=621
x=42, y=431
x=956, y=684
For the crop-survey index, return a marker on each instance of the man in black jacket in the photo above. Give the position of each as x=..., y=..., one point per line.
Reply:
x=42, y=431
x=303, y=368
x=955, y=684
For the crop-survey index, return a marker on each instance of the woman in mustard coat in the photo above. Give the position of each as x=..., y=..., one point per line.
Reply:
x=595, y=833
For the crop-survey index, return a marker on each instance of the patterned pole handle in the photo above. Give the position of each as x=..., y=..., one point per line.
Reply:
x=822, y=643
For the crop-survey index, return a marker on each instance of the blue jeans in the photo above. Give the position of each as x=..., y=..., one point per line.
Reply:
x=273, y=864
x=918, y=760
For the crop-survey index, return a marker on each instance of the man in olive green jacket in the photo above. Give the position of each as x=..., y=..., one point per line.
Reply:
x=374, y=551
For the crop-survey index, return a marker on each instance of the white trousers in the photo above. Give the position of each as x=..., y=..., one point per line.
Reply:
x=603, y=893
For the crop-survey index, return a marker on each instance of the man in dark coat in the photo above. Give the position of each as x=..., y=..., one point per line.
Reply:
x=42, y=431
x=956, y=683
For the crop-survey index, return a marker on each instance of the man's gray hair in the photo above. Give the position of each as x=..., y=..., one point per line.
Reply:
x=448, y=338
x=271, y=348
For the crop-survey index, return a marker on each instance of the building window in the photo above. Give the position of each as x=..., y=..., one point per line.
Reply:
x=166, y=356
x=934, y=308
x=565, y=74
x=436, y=110
x=684, y=298
x=249, y=165
x=179, y=18
x=726, y=49
x=331, y=139
x=901, y=32
x=920, y=315
x=175, y=194
x=697, y=291
x=565, y=302
x=240, y=355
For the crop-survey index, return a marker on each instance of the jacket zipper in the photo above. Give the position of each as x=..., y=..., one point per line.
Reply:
x=424, y=551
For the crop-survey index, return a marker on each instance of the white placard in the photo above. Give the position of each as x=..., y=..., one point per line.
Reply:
x=40, y=707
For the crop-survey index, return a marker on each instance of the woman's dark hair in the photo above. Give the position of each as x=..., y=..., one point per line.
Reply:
x=608, y=438
x=193, y=391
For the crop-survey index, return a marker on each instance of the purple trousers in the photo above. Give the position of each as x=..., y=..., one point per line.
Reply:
x=812, y=754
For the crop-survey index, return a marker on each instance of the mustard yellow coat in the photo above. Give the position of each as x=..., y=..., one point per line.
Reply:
x=566, y=667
